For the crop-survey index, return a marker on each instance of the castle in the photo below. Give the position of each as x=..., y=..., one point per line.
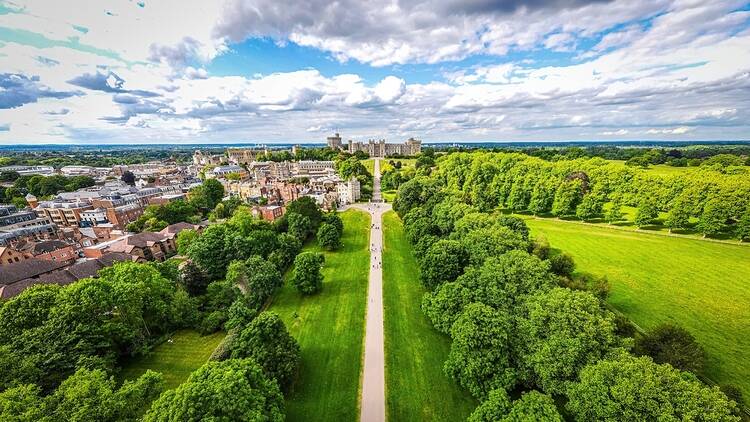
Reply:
x=376, y=148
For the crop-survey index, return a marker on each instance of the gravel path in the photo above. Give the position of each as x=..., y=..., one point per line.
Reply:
x=372, y=404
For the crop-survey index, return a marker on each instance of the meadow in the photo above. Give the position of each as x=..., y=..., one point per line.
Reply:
x=175, y=359
x=329, y=327
x=416, y=387
x=655, y=279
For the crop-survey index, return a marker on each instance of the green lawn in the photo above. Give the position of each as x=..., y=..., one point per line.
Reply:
x=177, y=359
x=329, y=327
x=416, y=387
x=702, y=286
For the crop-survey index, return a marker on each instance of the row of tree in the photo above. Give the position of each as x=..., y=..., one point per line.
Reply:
x=718, y=201
x=497, y=293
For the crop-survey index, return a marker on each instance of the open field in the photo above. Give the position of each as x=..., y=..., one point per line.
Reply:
x=699, y=285
x=416, y=387
x=176, y=360
x=329, y=327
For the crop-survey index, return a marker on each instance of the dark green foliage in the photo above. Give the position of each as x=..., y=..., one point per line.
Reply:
x=443, y=262
x=256, y=277
x=531, y=407
x=335, y=220
x=306, y=275
x=268, y=343
x=192, y=278
x=480, y=357
x=501, y=283
x=329, y=237
x=554, y=346
x=674, y=345
x=208, y=252
x=239, y=315
x=206, y=196
x=232, y=390
x=637, y=389
x=300, y=226
x=128, y=177
x=562, y=264
x=306, y=206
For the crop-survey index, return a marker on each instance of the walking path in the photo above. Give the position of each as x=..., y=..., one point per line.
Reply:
x=372, y=403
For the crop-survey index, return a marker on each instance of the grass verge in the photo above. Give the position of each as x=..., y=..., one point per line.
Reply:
x=329, y=327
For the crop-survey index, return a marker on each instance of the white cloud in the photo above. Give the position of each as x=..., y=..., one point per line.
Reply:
x=675, y=131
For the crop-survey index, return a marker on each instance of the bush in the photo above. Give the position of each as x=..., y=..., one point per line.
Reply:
x=674, y=345
x=562, y=264
x=213, y=322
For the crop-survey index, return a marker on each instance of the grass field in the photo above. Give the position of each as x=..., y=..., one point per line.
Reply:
x=329, y=327
x=416, y=387
x=176, y=360
x=702, y=286
x=405, y=162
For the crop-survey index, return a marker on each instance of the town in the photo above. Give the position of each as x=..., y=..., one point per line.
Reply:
x=67, y=236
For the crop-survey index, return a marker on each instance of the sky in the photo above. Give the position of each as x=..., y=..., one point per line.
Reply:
x=266, y=71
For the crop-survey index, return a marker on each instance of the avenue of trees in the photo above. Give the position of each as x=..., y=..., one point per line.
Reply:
x=517, y=319
x=62, y=346
x=711, y=200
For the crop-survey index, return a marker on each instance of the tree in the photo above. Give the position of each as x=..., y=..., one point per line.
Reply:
x=239, y=315
x=502, y=283
x=713, y=219
x=267, y=341
x=234, y=389
x=480, y=356
x=335, y=220
x=184, y=239
x=193, y=279
x=444, y=262
x=562, y=264
x=637, y=389
x=329, y=237
x=591, y=206
x=743, y=226
x=256, y=277
x=483, y=243
x=306, y=275
x=206, y=196
x=532, y=406
x=208, y=251
x=128, y=177
x=567, y=197
x=615, y=211
x=678, y=217
x=674, y=345
x=307, y=207
x=646, y=213
x=288, y=247
x=542, y=197
x=300, y=226
x=554, y=346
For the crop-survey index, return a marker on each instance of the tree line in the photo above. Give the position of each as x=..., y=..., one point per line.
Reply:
x=517, y=322
x=709, y=200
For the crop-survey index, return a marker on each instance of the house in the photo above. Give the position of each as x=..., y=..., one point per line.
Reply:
x=9, y=256
x=147, y=245
x=18, y=277
x=175, y=229
x=51, y=250
x=268, y=212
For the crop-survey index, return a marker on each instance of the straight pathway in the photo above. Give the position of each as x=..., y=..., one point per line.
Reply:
x=372, y=403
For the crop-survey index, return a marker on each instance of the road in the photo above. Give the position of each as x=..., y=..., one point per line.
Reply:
x=372, y=403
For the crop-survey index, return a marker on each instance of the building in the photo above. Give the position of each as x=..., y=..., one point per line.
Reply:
x=9, y=256
x=380, y=148
x=18, y=225
x=51, y=250
x=244, y=155
x=63, y=213
x=147, y=246
x=349, y=192
x=78, y=170
x=305, y=168
x=201, y=159
x=16, y=278
x=268, y=212
x=334, y=142
x=221, y=172
x=30, y=170
x=94, y=217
